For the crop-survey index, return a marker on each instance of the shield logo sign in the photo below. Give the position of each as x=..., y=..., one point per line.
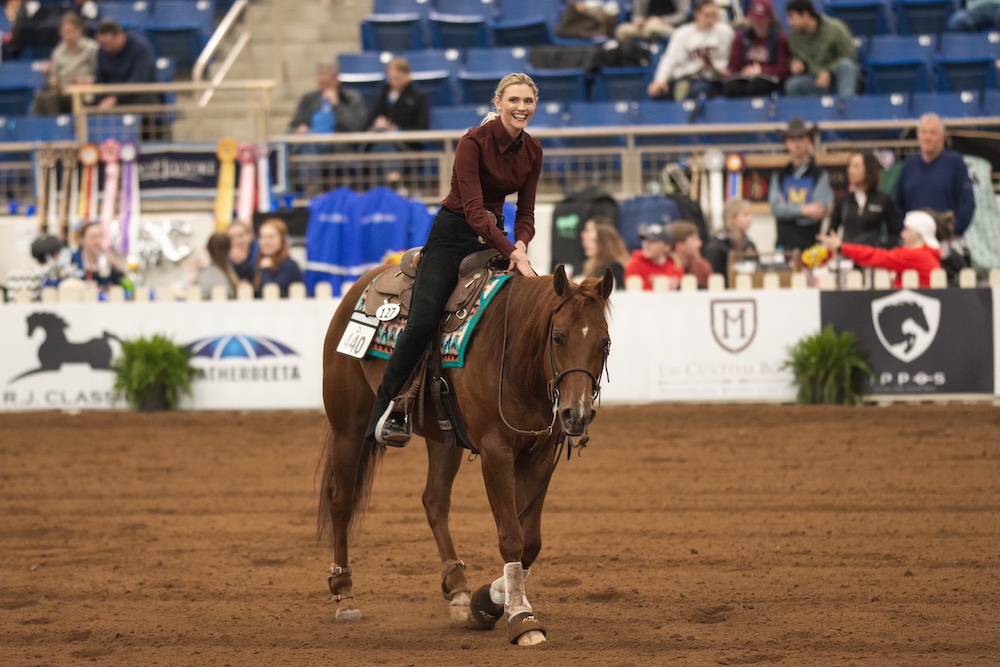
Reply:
x=906, y=323
x=734, y=323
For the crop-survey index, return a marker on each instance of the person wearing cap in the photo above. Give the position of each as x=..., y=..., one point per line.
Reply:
x=938, y=179
x=653, y=20
x=653, y=259
x=696, y=56
x=824, y=58
x=800, y=194
x=687, y=251
x=920, y=249
x=758, y=57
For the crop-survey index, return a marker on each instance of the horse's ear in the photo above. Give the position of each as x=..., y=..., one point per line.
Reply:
x=607, y=283
x=559, y=280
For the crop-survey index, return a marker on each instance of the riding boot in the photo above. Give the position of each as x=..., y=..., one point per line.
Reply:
x=387, y=426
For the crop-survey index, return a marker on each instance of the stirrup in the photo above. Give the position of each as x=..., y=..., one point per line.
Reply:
x=393, y=428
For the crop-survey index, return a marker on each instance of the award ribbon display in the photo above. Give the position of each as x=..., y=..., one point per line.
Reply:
x=225, y=193
x=46, y=188
x=734, y=176
x=110, y=149
x=247, y=157
x=87, y=201
x=263, y=178
x=130, y=200
x=67, y=160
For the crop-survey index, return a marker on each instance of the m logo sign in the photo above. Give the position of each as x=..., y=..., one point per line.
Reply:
x=734, y=323
x=906, y=323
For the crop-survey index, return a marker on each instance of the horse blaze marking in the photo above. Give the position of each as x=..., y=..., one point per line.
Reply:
x=584, y=331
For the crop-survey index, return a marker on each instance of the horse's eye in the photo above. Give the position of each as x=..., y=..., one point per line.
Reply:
x=558, y=338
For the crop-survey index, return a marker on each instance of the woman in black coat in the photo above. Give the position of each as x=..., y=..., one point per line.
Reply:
x=866, y=215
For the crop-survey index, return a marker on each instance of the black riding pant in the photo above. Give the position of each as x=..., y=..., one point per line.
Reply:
x=450, y=240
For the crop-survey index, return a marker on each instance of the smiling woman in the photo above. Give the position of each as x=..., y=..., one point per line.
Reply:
x=491, y=161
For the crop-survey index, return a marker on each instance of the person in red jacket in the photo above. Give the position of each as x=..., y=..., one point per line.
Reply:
x=920, y=250
x=654, y=258
x=759, y=56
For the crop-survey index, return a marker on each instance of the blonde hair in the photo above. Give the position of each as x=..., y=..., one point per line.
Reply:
x=399, y=64
x=512, y=79
x=732, y=209
x=610, y=248
x=682, y=230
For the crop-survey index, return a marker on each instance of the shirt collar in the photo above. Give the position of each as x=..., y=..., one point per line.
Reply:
x=503, y=138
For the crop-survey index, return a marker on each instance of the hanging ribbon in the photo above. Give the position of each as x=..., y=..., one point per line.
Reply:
x=52, y=215
x=46, y=165
x=67, y=160
x=734, y=176
x=87, y=209
x=247, y=157
x=128, y=243
x=226, y=191
x=110, y=149
x=263, y=179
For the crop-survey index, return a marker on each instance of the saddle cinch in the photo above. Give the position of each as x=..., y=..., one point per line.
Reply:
x=395, y=286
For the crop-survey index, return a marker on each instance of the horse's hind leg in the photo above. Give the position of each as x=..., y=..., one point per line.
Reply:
x=443, y=465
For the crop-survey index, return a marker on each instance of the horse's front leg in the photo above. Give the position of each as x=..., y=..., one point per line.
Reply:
x=443, y=465
x=524, y=629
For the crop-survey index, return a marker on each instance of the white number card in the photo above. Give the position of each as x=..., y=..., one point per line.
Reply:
x=357, y=336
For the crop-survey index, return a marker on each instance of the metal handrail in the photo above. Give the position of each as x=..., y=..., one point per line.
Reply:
x=224, y=68
x=225, y=25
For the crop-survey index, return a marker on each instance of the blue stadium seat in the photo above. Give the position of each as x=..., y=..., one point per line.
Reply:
x=560, y=85
x=130, y=14
x=123, y=127
x=600, y=114
x=19, y=79
x=435, y=71
x=37, y=128
x=965, y=104
x=922, y=17
x=364, y=72
x=483, y=69
x=459, y=117
x=180, y=30
x=810, y=109
x=863, y=17
x=656, y=112
x=421, y=7
x=991, y=103
x=738, y=110
x=16, y=99
x=874, y=107
x=967, y=61
x=624, y=84
x=900, y=63
x=392, y=32
x=460, y=24
x=522, y=23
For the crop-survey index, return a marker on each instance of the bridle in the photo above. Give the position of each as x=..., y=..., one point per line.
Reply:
x=557, y=376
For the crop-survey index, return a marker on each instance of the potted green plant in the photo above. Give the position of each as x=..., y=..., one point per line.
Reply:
x=153, y=372
x=827, y=367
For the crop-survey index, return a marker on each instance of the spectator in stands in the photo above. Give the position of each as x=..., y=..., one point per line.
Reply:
x=330, y=108
x=800, y=194
x=218, y=271
x=866, y=214
x=696, y=56
x=977, y=15
x=653, y=259
x=686, y=254
x=73, y=61
x=758, y=58
x=242, y=250
x=824, y=59
x=604, y=249
x=737, y=218
x=938, y=179
x=124, y=58
x=92, y=260
x=273, y=263
x=653, y=20
x=401, y=105
x=920, y=249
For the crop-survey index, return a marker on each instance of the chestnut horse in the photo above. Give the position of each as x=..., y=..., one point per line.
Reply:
x=531, y=380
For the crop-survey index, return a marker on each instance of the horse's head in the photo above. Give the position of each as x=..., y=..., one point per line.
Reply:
x=45, y=321
x=578, y=348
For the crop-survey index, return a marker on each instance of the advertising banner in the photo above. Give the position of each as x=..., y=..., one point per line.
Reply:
x=252, y=355
x=706, y=346
x=180, y=170
x=920, y=342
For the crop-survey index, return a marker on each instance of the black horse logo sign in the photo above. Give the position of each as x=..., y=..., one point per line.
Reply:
x=57, y=350
x=906, y=323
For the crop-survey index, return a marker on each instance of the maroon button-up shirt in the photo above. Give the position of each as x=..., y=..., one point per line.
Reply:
x=489, y=165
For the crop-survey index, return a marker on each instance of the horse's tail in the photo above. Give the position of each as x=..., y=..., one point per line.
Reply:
x=328, y=488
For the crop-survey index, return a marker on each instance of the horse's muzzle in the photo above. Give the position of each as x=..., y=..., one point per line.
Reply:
x=575, y=422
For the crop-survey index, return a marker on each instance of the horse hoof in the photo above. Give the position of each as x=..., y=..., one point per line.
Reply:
x=526, y=630
x=350, y=614
x=459, y=608
x=483, y=614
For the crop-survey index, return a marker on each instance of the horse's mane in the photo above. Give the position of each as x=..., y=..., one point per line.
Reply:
x=532, y=301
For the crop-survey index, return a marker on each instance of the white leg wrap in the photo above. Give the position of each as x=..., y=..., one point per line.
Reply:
x=498, y=591
x=515, y=601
